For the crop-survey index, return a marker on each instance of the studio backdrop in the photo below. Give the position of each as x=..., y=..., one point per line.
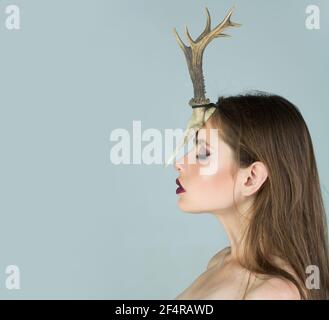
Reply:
x=77, y=221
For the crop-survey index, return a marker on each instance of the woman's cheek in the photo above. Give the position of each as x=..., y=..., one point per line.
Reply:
x=217, y=190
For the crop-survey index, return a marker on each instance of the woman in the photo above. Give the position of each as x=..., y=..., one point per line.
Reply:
x=265, y=191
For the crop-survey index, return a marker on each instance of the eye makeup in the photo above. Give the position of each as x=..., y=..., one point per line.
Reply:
x=203, y=154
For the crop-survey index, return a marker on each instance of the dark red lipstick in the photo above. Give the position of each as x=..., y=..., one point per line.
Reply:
x=180, y=189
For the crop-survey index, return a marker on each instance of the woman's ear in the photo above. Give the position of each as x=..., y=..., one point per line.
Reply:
x=254, y=177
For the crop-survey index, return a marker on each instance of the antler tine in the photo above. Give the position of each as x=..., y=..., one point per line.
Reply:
x=206, y=37
x=207, y=28
x=179, y=40
x=204, y=33
x=216, y=32
x=189, y=38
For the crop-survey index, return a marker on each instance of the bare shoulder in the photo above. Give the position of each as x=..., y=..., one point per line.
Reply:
x=274, y=289
x=217, y=257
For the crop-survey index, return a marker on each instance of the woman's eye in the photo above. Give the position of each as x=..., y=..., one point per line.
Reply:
x=202, y=155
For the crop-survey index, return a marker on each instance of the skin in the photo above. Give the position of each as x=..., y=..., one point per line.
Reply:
x=211, y=187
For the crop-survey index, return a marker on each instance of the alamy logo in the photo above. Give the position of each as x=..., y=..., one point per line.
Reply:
x=313, y=280
x=12, y=280
x=13, y=17
x=151, y=146
x=313, y=19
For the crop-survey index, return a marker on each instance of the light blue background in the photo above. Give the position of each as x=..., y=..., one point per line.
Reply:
x=78, y=226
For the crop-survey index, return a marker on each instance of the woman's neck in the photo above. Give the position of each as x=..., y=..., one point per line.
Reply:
x=235, y=225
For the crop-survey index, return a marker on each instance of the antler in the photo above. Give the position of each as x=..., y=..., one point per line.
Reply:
x=194, y=54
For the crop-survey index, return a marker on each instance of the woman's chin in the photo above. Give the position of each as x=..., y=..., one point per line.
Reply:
x=187, y=207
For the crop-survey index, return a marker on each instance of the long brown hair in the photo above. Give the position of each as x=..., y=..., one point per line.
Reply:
x=288, y=218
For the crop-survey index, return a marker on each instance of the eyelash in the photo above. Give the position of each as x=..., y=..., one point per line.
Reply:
x=204, y=156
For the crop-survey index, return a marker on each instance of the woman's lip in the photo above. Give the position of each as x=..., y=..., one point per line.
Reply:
x=180, y=189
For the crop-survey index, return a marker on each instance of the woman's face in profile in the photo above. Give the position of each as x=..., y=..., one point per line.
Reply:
x=205, y=173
